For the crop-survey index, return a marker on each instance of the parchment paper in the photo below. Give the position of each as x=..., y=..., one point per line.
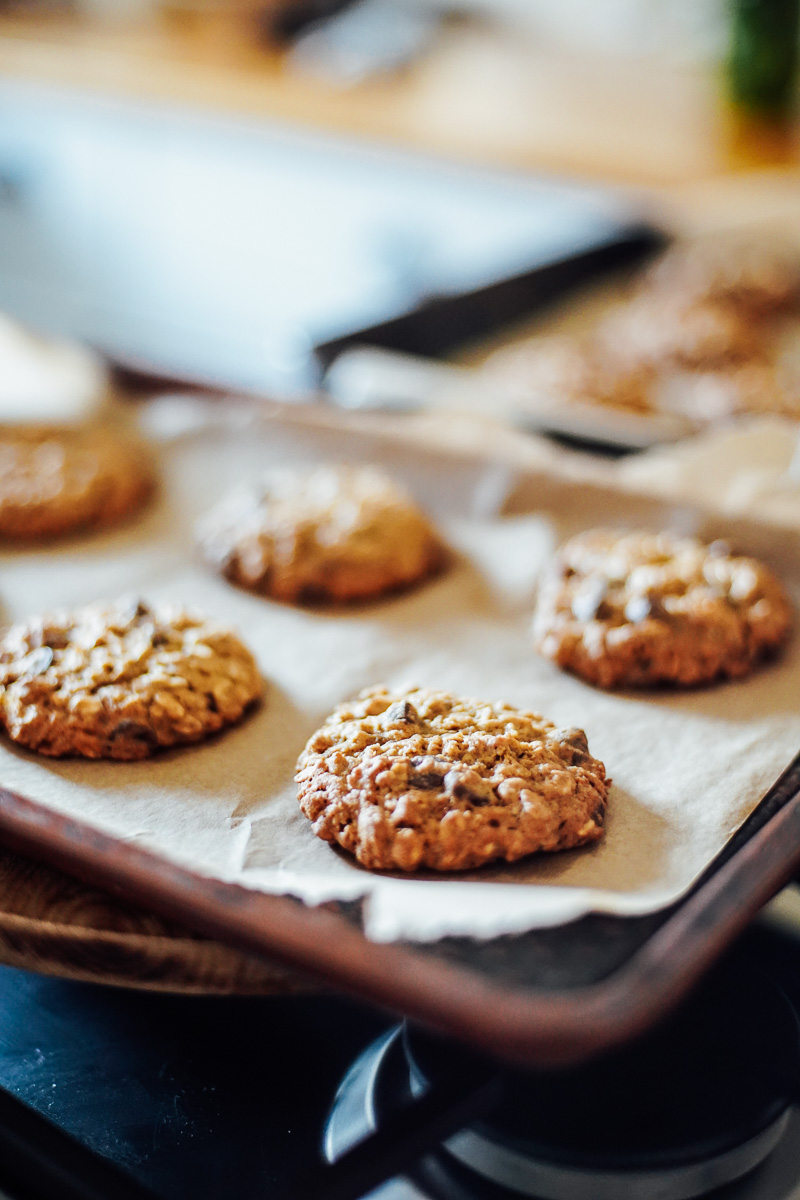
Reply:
x=687, y=767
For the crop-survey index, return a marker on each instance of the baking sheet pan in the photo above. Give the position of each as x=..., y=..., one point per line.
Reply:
x=65, y=839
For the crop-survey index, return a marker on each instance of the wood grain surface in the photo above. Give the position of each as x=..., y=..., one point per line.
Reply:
x=54, y=925
x=482, y=92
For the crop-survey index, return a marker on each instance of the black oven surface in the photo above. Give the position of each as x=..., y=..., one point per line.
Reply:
x=229, y=1097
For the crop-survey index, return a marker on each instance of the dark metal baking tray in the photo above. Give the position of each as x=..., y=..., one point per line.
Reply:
x=550, y=996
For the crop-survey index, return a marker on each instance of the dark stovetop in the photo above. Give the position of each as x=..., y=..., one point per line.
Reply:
x=204, y=1096
x=193, y=1096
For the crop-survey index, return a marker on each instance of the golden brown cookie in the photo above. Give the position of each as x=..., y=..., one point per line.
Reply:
x=329, y=533
x=755, y=276
x=121, y=680
x=661, y=329
x=57, y=481
x=743, y=388
x=640, y=609
x=575, y=371
x=416, y=778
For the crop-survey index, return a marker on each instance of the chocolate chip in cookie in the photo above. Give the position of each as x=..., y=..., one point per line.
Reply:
x=121, y=680
x=463, y=784
x=327, y=534
x=641, y=609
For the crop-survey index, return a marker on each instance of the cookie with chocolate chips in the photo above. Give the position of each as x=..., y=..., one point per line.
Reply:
x=641, y=609
x=419, y=778
x=121, y=680
x=662, y=330
x=754, y=276
x=568, y=370
x=57, y=481
x=326, y=534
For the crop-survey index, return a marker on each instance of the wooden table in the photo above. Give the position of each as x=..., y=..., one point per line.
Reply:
x=482, y=93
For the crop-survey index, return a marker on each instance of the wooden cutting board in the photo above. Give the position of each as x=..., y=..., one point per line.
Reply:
x=52, y=924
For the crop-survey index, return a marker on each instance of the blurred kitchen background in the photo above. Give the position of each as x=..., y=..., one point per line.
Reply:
x=243, y=195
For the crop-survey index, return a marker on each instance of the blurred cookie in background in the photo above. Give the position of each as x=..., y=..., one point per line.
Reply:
x=575, y=371
x=68, y=461
x=710, y=332
x=59, y=480
x=756, y=276
x=747, y=388
x=661, y=331
x=329, y=533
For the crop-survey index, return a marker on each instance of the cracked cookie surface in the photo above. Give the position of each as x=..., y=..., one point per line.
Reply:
x=641, y=609
x=325, y=534
x=60, y=481
x=121, y=680
x=414, y=778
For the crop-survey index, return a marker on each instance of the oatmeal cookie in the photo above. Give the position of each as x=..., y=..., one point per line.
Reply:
x=121, y=680
x=661, y=330
x=575, y=371
x=640, y=609
x=418, y=778
x=740, y=389
x=329, y=533
x=757, y=277
x=58, y=481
